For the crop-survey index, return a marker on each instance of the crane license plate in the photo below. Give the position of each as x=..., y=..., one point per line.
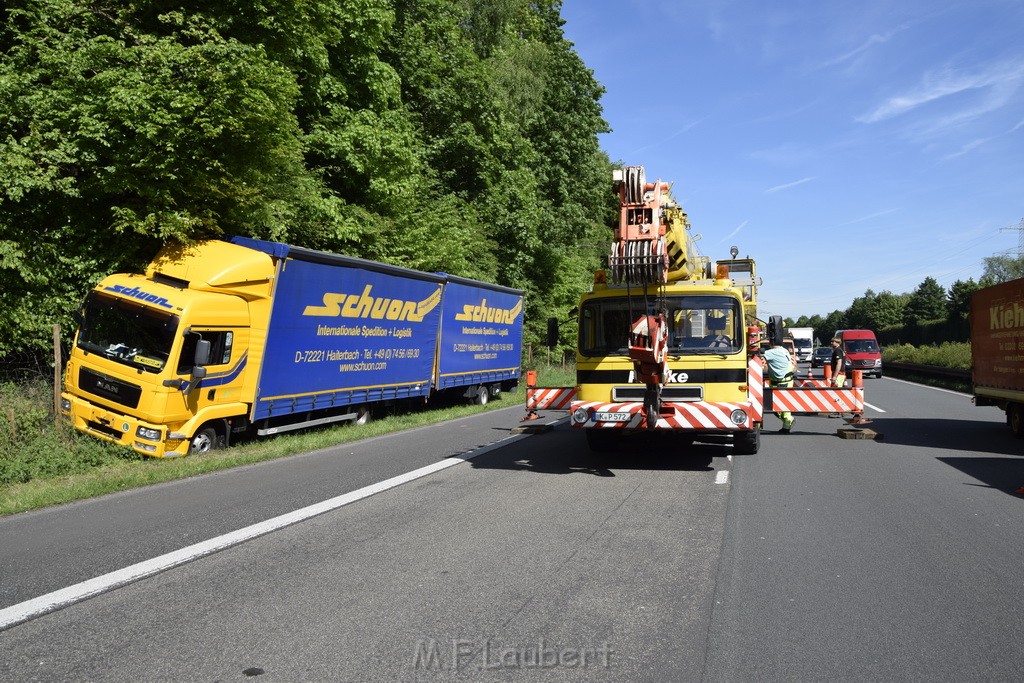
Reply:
x=612, y=417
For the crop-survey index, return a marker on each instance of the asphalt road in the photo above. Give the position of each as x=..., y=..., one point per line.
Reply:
x=820, y=558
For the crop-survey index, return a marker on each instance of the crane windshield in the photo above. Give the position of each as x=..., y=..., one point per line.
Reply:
x=697, y=324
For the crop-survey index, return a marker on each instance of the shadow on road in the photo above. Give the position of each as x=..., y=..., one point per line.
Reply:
x=967, y=437
x=1002, y=474
x=565, y=451
x=973, y=436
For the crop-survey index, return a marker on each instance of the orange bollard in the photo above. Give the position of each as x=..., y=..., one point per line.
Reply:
x=858, y=383
x=828, y=372
x=531, y=383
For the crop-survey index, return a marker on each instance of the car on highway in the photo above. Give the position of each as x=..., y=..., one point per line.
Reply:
x=821, y=356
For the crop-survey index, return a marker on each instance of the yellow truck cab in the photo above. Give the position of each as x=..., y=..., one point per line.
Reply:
x=145, y=341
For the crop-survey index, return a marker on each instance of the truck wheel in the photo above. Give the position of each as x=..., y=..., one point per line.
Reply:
x=362, y=415
x=746, y=443
x=204, y=441
x=483, y=394
x=1015, y=418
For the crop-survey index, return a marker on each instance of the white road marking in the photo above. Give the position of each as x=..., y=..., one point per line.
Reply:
x=926, y=386
x=722, y=477
x=51, y=602
x=873, y=407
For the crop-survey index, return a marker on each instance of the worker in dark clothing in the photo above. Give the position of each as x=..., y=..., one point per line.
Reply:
x=838, y=363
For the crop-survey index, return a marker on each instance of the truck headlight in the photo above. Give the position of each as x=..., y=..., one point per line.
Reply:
x=65, y=406
x=580, y=415
x=738, y=417
x=147, y=433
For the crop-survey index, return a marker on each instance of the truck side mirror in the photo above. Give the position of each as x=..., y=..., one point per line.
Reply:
x=202, y=356
x=552, y=332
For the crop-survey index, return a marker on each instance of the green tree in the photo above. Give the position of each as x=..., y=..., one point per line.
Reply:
x=114, y=141
x=1001, y=268
x=958, y=302
x=887, y=310
x=454, y=135
x=834, y=321
x=927, y=302
x=859, y=314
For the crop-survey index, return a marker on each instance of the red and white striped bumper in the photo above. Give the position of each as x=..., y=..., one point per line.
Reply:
x=698, y=415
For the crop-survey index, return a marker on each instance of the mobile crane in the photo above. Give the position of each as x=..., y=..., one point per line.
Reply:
x=669, y=344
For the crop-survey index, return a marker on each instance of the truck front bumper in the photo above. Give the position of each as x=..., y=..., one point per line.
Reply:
x=693, y=416
x=126, y=430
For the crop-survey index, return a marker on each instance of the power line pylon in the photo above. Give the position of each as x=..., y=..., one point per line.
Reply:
x=1020, y=236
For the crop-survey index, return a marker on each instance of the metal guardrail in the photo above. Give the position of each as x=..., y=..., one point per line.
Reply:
x=936, y=371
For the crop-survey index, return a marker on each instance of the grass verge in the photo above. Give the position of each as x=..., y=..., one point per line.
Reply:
x=42, y=464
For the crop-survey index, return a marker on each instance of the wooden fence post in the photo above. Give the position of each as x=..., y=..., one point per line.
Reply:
x=56, y=375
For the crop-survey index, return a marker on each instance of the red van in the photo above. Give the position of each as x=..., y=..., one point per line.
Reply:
x=862, y=352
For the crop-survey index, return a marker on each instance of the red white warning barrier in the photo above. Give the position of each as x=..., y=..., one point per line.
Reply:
x=806, y=399
x=549, y=398
x=807, y=396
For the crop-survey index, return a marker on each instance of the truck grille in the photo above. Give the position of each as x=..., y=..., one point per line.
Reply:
x=669, y=393
x=109, y=388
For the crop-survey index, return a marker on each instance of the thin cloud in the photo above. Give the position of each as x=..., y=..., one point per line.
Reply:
x=770, y=190
x=686, y=128
x=877, y=39
x=738, y=228
x=869, y=217
x=872, y=41
x=680, y=131
x=943, y=84
x=974, y=144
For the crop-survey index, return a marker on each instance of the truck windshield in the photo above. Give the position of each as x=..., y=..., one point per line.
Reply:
x=126, y=332
x=698, y=324
x=803, y=343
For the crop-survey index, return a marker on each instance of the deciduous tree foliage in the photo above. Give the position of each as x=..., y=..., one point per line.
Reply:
x=452, y=135
x=1002, y=268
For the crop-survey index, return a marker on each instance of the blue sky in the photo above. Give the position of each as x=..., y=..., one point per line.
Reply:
x=846, y=146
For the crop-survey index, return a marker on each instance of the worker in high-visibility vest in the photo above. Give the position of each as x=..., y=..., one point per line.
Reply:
x=781, y=373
